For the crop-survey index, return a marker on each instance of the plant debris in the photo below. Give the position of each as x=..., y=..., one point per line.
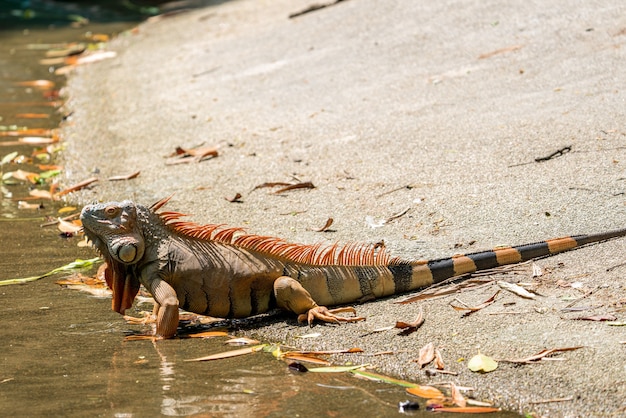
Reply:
x=327, y=225
x=124, y=177
x=482, y=363
x=191, y=155
x=462, y=306
x=541, y=355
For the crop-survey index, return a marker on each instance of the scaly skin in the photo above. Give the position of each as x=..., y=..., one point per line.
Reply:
x=221, y=272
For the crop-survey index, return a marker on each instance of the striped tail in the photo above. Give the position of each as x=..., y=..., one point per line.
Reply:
x=425, y=273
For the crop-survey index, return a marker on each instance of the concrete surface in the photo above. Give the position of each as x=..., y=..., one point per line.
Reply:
x=438, y=107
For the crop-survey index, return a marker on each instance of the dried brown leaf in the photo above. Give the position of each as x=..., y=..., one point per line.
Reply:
x=439, y=364
x=303, y=185
x=500, y=51
x=426, y=355
x=234, y=199
x=77, y=186
x=327, y=225
x=124, y=177
x=540, y=355
x=418, y=322
x=457, y=397
x=472, y=309
x=270, y=184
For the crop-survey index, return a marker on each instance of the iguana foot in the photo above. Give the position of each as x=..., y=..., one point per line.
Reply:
x=329, y=315
x=148, y=318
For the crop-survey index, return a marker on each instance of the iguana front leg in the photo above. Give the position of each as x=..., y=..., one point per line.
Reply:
x=291, y=296
x=165, y=307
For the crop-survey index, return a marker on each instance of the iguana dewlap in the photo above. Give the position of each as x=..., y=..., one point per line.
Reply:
x=223, y=272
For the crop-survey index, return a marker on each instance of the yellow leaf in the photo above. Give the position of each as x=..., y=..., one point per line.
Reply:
x=482, y=363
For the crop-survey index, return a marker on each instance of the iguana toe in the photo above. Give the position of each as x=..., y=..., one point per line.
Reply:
x=329, y=315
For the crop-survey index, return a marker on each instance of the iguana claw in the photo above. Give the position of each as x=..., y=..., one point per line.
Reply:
x=328, y=315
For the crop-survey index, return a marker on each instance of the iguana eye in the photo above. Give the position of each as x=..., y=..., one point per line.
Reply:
x=111, y=211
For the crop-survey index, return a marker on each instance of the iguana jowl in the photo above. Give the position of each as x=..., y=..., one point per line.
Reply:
x=223, y=272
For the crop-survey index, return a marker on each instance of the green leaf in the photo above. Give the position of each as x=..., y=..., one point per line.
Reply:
x=49, y=174
x=78, y=264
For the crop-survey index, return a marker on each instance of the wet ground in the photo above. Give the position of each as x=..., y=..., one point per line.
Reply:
x=62, y=352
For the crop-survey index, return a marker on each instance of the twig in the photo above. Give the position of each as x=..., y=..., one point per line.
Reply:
x=56, y=221
x=575, y=301
x=313, y=8
x=555, y=154
x=569, y=398
x=407, y=187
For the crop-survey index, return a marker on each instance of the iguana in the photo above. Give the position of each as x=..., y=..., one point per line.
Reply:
x=224, y=272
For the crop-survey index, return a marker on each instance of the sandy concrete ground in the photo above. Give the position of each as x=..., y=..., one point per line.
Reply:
x=436, y=107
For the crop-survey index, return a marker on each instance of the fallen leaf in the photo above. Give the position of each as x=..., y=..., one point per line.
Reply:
x=305, y=358
x=381, y=378
x=40, y=84
x=500, y=51
x=271, y=184
x=232, y=353
x=208, y=334
x=29, y=206
x=327, y=225
x=124, y=177
x=457, y=397
x=427, y=392
x=468, y=409
x=349, y=350
x=473, y=309
x=418, y=322
x=41, y=194
x=426, y=355
x=337, y=369
x=482, y=363
x=8, y=158
x=235, y=199
x=518, y=290
x=69, y=227
x=439, y=364
x=32, y=115
x=77, y=186
x=540, y=355
x=303, y=185
x=22, y=175
x=182, y=155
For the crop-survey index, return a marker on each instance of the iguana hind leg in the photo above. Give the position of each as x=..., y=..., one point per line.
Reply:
x=291, y=296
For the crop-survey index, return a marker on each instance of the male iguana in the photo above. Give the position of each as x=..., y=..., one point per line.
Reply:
x=226, y=273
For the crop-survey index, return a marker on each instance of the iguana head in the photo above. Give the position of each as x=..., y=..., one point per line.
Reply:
x=112, y=228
